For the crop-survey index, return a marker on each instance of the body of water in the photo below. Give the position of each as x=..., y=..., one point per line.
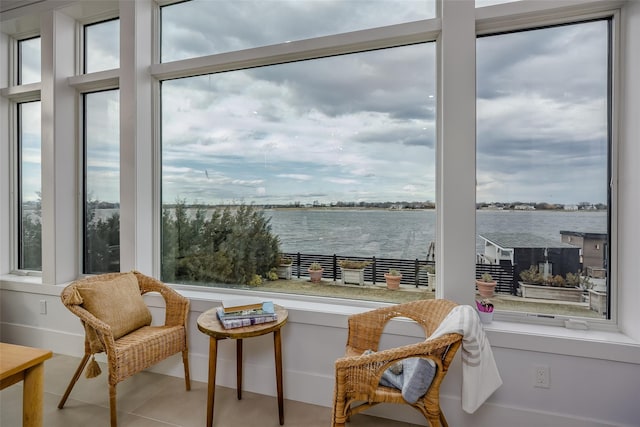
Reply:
x=405, y=234
x=408, y=233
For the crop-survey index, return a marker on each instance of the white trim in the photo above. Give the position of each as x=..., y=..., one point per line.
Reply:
x=22, y=93
x=616, y=99
x=455, y=153
x=357, y=41
x=94, y=82
x=530, y=13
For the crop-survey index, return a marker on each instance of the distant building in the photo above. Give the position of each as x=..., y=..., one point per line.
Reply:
x=524, y=208
x=592, y=247
x=523, y=250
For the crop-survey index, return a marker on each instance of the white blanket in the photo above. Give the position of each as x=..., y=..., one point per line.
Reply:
x=480, y=376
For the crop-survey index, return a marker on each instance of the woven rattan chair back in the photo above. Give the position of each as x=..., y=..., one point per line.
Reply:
x=357, y=376
x=136, y=350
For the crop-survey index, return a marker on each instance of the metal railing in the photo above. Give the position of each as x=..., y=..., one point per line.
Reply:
x=413, y=270
x=503, y=274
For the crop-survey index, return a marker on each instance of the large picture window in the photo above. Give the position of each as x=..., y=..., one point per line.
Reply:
x=338, y=154
x=30, y=185
x=543, y=144
x=101, y=182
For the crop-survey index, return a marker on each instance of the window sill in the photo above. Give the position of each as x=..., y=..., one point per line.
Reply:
x=596, y=344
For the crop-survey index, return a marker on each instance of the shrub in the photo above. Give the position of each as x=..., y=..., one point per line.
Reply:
x=486, y=277
x=284, y=260
x=234, y=245
x=532, y=275
x=315, y=266
x=348, y=263
x=556, y=281
x=573, y=279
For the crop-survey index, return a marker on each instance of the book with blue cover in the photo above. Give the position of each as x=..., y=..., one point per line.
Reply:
x=240, y=321
x=265, y=309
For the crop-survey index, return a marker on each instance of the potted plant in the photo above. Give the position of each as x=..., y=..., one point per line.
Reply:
x=315, y=272
x=486, y=285
x=485, y=310
x=393, y=278
x=284, y=268
x=352, y=271
x=535, y=285
x=431, y=277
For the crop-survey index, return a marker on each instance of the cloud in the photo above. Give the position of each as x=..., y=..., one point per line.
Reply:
x=364, y=125
x=200, y=28
x=294, y=130
x=542, y=115
x=102, y=46
x=298, y=177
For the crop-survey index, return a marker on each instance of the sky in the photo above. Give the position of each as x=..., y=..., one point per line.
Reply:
x=361, y=127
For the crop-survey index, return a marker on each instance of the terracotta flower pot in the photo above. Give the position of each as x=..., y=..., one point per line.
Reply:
x=393, y=282
x=315, y=275
x=486, y=289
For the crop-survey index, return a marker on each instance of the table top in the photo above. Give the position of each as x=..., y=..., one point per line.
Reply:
x=17, y=358
x=209, y=324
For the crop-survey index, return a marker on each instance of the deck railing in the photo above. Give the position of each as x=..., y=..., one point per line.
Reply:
x=503, y=274
x=413, y=270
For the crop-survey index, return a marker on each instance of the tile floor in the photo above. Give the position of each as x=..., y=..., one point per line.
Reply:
x=153, y=400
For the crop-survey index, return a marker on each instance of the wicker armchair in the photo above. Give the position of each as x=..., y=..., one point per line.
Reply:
x=101, y=302
x=358, y=375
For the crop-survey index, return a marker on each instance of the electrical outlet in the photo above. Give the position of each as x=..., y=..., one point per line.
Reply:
x=43, y=306
x=541, y=376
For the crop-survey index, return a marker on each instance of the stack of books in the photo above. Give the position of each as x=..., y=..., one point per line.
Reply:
x=245, y=312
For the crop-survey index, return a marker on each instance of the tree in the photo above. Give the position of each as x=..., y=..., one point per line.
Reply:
x=232, y=246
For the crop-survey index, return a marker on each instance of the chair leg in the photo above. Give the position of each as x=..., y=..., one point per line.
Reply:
x=112, y=405
x=74, y=379
x=185, y=361
x=443, y=420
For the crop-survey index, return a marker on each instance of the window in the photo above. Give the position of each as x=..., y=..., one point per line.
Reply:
x=29, y=183
x=102, y=46
x=101, y=182
x=543, y=141
x=338, y=162
x=197, y=28
x=29, y=61
x=207, y=97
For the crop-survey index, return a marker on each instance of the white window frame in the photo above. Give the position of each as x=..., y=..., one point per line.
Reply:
x=489, y=26
x=395, y=35
x=80, y=49
x=17, y=94
x=506, y=16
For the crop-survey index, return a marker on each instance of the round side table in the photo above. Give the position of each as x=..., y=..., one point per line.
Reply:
x=209, y=324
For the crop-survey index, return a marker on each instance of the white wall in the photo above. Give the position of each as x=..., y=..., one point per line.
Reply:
x=585, y=391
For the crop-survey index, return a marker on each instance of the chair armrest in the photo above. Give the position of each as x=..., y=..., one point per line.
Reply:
x=177, y=306
x=102, y=329
x=91, y=320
